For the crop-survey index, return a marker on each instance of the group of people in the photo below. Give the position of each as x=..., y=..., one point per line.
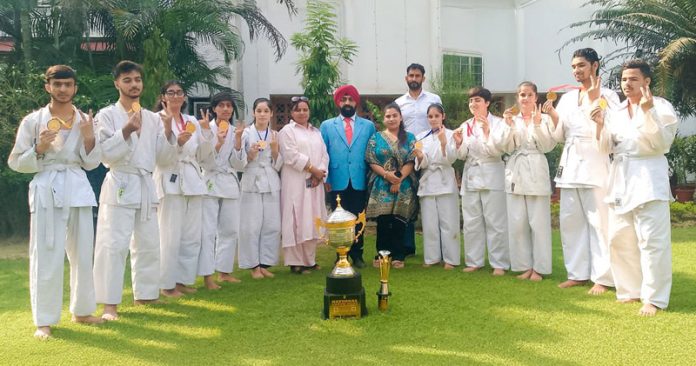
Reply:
x=173, y=198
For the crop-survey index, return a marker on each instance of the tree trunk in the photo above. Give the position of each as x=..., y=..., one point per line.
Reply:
x=26, y=34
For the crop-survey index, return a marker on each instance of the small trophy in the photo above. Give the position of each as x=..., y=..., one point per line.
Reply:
x=344, y=295
x=383, y=293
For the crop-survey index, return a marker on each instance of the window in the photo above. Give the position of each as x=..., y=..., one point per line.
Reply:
x=462, y=72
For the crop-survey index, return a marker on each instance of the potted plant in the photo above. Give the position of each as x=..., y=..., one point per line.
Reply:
x=682, y=162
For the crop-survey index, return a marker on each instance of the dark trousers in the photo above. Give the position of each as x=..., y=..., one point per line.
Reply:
x=390, y=236
x=410, y=239
x=355, y=202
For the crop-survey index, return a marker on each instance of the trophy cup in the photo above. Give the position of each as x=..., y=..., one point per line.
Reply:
x=344, y=295
x=383, y=293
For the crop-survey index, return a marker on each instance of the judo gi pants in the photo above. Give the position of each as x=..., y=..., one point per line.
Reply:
x=119, y=230
x=529, y=225
x=220, y=232
x=640, y=250
x=584, y=222
x=485, y=226
x=440, y=219
x=180, y=239
x=74, y=236
x=259, y=230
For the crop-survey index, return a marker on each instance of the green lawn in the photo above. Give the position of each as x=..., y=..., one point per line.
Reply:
x=436, y=317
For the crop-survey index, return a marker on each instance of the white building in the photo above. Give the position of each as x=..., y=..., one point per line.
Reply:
x=498, y=42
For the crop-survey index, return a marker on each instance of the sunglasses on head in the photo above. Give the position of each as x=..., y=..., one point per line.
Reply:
x=301, y=98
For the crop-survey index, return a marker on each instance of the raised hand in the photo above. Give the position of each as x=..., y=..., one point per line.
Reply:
x=597, y=115
x=87, y=124
x=458, y=136
x=485, y=125
x=507, y=115
x=46, y=137
x=253, y=151
x=205, y=120
x=274, y=144
x=238, y=131
x=646, y=100
x=133, y=125
x=183, y=138
x=536, y=114
x=595, y=89
x=442, y=136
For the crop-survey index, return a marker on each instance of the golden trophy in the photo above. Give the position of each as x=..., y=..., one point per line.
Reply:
x=344, y=296
x=383, y=293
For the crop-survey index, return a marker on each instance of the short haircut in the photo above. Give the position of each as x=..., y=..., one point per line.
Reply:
x=415, y=66
x=479, y=91
x=588, y=54
x=126, y=66
x=60, y=72
x=639, y=64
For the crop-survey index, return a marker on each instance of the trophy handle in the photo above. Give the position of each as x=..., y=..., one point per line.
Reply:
x=362, y=221
x=318, y=223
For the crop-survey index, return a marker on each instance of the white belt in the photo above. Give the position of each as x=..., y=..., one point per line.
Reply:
x=53, y=170
x=144, y=175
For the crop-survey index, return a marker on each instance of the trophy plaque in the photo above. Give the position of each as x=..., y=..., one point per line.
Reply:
x=344, y=295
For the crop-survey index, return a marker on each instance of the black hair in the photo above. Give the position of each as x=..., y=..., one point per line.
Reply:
x=437, y=106
x=479, y=91
x=60, y=72
x=402, y=130
x=415, y=66
x=163, y=91
x=259, y=101
x=294, y=104
x=529, y=84
x=126, y=66
x=223, y=96
x=588, y=54
x=639, y=64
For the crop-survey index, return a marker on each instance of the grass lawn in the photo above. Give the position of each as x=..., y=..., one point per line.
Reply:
x=435, y=317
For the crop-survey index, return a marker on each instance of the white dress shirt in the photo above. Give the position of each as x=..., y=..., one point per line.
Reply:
x=415, y=110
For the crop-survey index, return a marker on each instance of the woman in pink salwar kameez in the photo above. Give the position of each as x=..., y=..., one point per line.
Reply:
x=302, y=189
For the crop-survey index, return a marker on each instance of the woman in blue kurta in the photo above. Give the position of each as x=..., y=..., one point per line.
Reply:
x=392, y=183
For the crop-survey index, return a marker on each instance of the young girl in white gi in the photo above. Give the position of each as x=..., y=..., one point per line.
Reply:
x=180, y=188
x=526, y=137
x=221, y=202
x=437, y=191
x=483, y=187
x=57, y=142
x=256, y=149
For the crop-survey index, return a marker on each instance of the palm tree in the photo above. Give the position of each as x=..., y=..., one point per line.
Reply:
x=662, y=32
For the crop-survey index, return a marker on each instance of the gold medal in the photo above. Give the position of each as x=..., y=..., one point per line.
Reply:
x=135, y=107
x=53, y=124
x=514, y=110
x=419, y=145
x=262, y=144
x=190, y=127
x=223, y=125
x=603, y=104
x=552, y=96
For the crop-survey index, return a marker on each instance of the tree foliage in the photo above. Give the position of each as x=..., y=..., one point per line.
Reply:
x=321, y=52
x=663, y=32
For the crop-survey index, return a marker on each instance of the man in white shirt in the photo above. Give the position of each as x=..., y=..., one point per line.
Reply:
x=414, y=111
x=57, y=142
x=639, y=132
x=133, y=141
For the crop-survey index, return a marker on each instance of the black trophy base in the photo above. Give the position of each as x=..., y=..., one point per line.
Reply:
x=344, y=297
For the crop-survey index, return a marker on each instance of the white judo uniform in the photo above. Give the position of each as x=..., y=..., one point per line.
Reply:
x=581, y=176
x=127, y=211
x=180, y=189
x=60, y=205
x=528, y=188
x=640, y=247
x=437, y=193
x=221, y=209
x=259, y=226
x=483, y=196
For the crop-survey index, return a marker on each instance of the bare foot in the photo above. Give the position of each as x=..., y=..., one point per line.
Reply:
x=375, y=263
x=425, y=265
x=525, y=275
x=210, y=284
x=185, y=289
x=448, y=267
x=226, y=277
x=172, y=293
x=110, y=312
x=42, y=333
x=597, y=289
x=470, y=269
x=147, y=302
x=398, y=264
x=88, y=319
x=498, y=272
x=648, y=310
x=266, y=273
x=571, y=283
x=256, y=273
x=535, y=277
x=627, y=301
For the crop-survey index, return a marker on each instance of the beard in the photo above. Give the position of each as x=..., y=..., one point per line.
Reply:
x=414, y=85
x=347, y=111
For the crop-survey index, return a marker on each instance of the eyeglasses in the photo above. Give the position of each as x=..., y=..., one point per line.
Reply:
x=172, y=93
x=301, y=98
